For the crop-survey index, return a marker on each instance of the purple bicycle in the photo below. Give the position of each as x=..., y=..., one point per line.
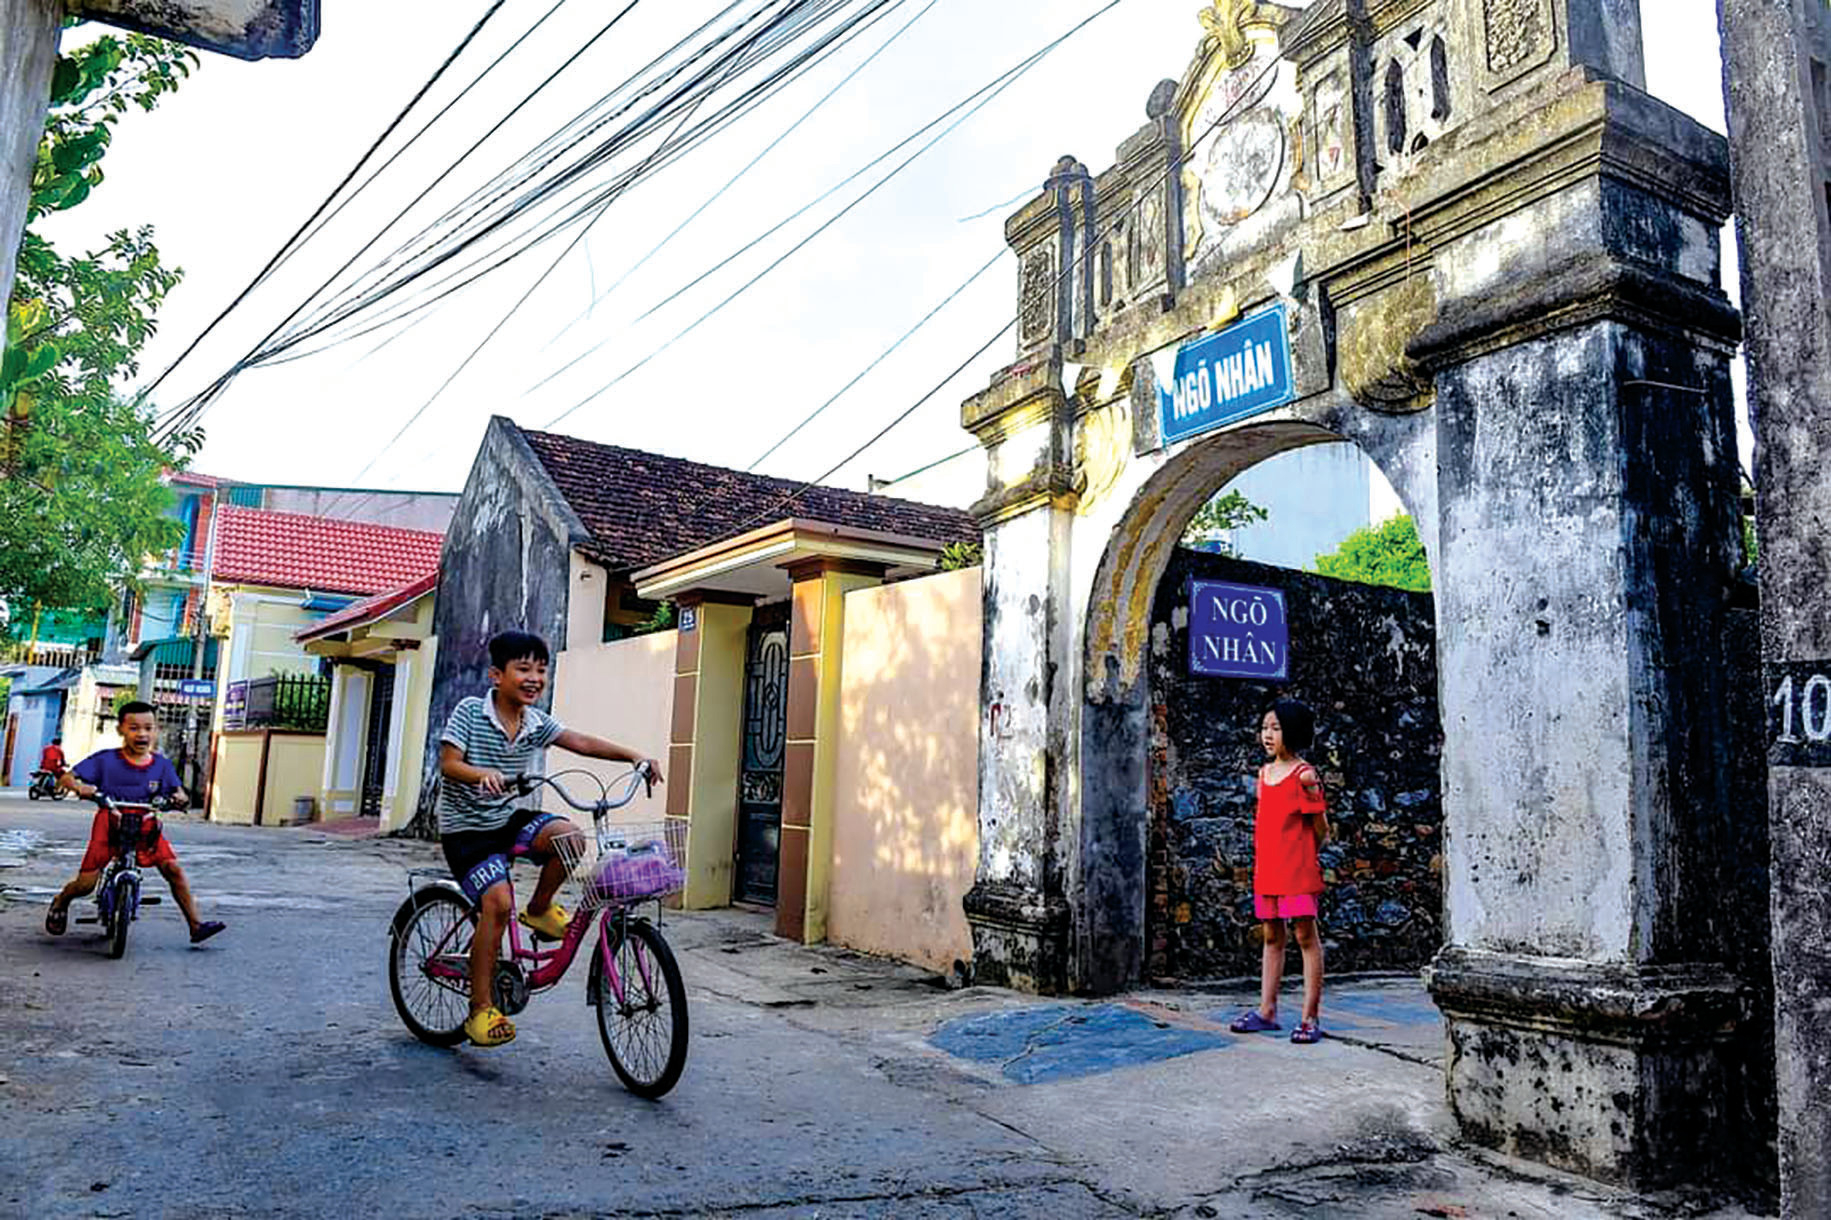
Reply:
x=635, y=984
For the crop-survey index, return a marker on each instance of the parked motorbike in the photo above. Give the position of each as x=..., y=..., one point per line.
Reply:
x=44, y=784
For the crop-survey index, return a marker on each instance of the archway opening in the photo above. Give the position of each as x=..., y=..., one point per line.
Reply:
x=1169, y=739
x=1301, y=578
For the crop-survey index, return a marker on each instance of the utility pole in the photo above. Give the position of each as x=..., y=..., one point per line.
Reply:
x=1775, y=56
x=200, y=644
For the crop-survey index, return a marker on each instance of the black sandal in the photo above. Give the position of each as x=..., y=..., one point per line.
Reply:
x=57, y=920
x=204, y=931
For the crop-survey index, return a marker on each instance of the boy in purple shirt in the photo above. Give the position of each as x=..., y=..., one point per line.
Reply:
x=132, y=775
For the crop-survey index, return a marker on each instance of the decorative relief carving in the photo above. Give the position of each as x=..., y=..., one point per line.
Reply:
x=1149, y=238
x=1519, y=34
x=1416, y=96
x=1226, y=23
x=1036, y=296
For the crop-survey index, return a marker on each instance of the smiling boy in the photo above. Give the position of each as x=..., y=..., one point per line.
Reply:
x=135, y=774
x=487, y=740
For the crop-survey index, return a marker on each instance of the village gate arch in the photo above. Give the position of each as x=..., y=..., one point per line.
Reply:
x=1498, y=269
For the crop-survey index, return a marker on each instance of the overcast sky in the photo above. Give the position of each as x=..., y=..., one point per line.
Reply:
x=230, y=165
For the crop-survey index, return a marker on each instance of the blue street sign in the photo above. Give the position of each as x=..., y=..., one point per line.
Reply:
x=1229, y=376
x=1238, y=631
x=197, y=688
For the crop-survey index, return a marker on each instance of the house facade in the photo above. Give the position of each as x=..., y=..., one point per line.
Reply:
x=743, y=699
x=273, y=576
x=381, y=652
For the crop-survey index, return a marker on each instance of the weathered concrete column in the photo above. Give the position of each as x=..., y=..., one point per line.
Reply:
x=1775, y=54
x=816, y=639
x=704, y=739
x=1018, y=907
x=28, y=52
x=1588, y=541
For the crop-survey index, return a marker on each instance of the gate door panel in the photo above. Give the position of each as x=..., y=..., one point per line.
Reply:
x=760, y=767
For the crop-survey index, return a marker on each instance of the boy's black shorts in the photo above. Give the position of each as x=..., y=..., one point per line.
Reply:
x=480, y=859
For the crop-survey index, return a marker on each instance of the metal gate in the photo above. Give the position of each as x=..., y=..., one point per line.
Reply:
x=375, y=760
x=765, y=738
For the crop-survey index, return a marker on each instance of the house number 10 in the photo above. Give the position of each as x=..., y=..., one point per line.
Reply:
x=1799, y=714
x=1814, y=706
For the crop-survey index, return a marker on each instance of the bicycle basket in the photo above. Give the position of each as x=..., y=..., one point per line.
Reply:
x=623, y=864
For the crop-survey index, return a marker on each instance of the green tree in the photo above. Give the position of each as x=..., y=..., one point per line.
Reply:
x=83, y=502
x=1220, y=516
x=1386, y=554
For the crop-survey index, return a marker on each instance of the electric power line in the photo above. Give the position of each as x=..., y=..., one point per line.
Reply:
x=1004, y=82
x=299, y=235
x=1225, y=118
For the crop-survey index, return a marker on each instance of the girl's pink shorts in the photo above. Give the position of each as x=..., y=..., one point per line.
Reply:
x=1284, y=906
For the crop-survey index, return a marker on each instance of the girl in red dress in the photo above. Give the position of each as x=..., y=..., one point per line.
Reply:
x=1292, y=822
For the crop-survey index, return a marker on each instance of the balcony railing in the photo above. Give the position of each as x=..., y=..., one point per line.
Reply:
x=60, y=656
x=176, y=563
x=301, y=702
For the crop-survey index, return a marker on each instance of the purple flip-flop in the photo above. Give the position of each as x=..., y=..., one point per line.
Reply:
x=1307, y=1033
x=1253, y=1023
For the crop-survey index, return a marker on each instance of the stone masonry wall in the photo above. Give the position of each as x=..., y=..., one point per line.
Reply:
x=1365, y=659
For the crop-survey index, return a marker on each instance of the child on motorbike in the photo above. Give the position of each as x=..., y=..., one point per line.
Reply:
x=488, y=739
x=52, y=759
x=135, y=774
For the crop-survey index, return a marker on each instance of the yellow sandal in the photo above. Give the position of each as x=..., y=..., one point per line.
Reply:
x=488, y=1027
x=550, y=924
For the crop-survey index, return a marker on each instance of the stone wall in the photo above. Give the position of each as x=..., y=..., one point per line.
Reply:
x=1365, y=659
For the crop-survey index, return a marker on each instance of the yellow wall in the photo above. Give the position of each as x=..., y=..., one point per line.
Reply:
x=87, y=704
x=905, y=826
x=711, y=777
x=415, y=673
x=257, y=625
x=623, y=691
x=295, y=767
x=232, y=779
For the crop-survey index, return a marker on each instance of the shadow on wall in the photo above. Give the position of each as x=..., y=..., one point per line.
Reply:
x=1365, y=659
x=906, y=831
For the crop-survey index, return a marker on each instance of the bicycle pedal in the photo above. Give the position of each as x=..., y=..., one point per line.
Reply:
x=88, y=919
x=151, y=900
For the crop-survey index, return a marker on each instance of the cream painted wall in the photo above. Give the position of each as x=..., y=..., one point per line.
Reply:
x=295, y=767
x=295, y=763
x=623, y=691
x=233, y=776
x=905, y=827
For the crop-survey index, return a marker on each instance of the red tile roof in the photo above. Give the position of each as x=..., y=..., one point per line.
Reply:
x=293, y=551
x=370, y=609
x=642, y=508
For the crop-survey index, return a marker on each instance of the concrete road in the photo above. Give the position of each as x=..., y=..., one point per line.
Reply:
x=266, y=1074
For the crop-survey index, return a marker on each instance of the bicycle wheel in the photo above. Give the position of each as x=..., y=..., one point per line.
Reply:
x=124, y=905
x=432, y=921
x=645, y=1036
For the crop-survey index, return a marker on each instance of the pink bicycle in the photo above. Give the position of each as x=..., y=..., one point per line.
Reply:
x=634, y=985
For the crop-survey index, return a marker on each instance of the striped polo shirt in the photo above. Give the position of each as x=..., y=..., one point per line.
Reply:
x=477, y=732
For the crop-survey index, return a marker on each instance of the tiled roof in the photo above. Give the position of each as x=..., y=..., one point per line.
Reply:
x=293, y=551
x=642, y=508
x=369, y=609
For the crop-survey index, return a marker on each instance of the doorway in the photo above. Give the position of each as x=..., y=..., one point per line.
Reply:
x=765, y=729
x=375, y=759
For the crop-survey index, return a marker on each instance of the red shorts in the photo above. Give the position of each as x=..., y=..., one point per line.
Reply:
x=99, y=853
x=1284, y=906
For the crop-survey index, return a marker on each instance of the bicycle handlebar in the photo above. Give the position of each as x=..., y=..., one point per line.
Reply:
x=525, y=785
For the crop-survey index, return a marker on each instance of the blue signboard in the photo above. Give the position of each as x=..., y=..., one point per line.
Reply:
x=197, y=688
x=1238, y=631
x=1229, y=376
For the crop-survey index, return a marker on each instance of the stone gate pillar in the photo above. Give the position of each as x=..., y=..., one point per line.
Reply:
x=1018, y=908
x=1588, y=541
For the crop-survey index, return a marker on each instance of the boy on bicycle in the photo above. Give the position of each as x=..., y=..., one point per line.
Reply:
x=487, y=740
x=135, y=774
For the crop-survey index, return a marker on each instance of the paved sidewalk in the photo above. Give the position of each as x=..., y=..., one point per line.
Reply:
x=272, y=1070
